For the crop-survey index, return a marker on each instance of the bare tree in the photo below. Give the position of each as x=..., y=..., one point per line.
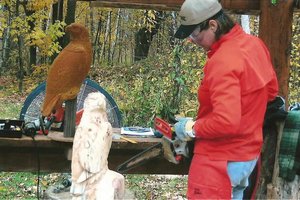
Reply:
x=105, y=36
x=116, y=34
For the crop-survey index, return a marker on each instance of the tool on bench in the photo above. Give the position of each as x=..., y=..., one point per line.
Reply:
x=11, y=128
x=55, y=121
x=170, y=147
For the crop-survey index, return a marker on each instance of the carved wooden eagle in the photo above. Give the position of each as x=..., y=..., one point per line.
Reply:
x=68, y=70
x=91, y=178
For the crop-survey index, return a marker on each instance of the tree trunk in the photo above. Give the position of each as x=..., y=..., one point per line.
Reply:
x=6, y=43
x=69, y=19
x=20, y=74
x=92, y=24
x=96, y=43
x=116, y=33
x=144, y=36
x=57, y=14
x=172, y=30
x=32, y=49
x=109, y=41
x=105, y=37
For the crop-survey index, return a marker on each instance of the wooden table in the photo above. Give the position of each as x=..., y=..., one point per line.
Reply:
x=53, y=154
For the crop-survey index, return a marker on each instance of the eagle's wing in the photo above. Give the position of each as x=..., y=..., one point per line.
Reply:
x=65, y=76
x=68, y=69
x=94, y=150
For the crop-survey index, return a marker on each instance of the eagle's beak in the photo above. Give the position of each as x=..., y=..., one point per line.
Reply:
x=68, y=28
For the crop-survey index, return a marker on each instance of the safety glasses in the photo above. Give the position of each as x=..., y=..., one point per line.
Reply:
x=195, y=33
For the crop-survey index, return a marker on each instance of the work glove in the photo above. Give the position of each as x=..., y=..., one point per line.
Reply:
x=275, y=112
x=184, y=129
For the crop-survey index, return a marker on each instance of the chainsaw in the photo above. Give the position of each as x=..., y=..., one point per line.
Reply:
x=170, y=147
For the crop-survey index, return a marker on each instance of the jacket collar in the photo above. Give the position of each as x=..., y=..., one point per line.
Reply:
x=235, y=31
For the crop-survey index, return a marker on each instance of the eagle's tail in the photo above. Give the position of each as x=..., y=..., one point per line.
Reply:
x=51, y=102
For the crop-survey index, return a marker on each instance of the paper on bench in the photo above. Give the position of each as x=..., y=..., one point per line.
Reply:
x=137, y=131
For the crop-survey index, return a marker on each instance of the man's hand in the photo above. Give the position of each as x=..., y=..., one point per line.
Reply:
x=184, y=129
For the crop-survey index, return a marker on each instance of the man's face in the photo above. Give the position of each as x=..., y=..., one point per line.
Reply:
x=204, y=38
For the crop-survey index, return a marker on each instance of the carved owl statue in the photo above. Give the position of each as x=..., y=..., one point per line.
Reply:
x=68, y=70
x=91, y=178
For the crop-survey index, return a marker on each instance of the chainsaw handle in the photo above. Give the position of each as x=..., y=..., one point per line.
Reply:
x=163, y=127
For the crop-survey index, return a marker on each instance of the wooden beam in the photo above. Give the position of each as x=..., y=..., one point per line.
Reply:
x=241, y=6
x=139, y=4
x=275, y=29
x=235, y=5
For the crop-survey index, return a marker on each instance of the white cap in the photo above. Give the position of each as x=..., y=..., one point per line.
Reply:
x=193, y=12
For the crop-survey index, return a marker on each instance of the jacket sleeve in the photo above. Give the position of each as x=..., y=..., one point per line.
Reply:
x=225, y=97
x=272, y=87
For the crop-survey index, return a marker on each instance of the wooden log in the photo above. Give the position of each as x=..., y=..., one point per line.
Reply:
x=272, y=192
x=275, y=29
x=268, y=160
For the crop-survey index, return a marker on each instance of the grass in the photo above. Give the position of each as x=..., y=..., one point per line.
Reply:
x=157, y=186
x=23, y=185
x=9, y=110
x=17, y=185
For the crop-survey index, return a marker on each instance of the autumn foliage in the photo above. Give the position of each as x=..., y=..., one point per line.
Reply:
x=162, y=84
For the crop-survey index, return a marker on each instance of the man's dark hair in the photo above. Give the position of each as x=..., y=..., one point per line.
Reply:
x=224, y=21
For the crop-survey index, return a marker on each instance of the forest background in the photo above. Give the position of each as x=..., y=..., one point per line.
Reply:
x=135, y=56
x=136, y=59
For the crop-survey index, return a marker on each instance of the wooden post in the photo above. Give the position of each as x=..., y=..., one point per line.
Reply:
x=70, y=112
x=70, y=118
x=275, y=29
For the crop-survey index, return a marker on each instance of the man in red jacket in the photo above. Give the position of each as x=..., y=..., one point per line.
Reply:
x=239, y=81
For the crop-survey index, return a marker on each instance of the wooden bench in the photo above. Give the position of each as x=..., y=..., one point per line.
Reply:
x=54, y=150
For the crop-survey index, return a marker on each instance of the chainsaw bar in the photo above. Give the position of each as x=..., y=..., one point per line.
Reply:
x=139, y=159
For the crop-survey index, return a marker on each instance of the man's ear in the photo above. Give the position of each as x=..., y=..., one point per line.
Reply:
x=213, y=25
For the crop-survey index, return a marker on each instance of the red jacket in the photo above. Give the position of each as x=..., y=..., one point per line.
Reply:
x=239, y=80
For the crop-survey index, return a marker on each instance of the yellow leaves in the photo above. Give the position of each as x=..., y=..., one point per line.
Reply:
x=150, y=19
x=19, y=26
x=38, y=75
x=40, y=39
x=43, y=35
x=36, y=37
x=147, y=19
x=46, y=40
x=8, y=2
x=39, y=5
x=3, y=25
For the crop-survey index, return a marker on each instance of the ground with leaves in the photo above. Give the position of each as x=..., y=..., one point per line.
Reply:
x=21, y=185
